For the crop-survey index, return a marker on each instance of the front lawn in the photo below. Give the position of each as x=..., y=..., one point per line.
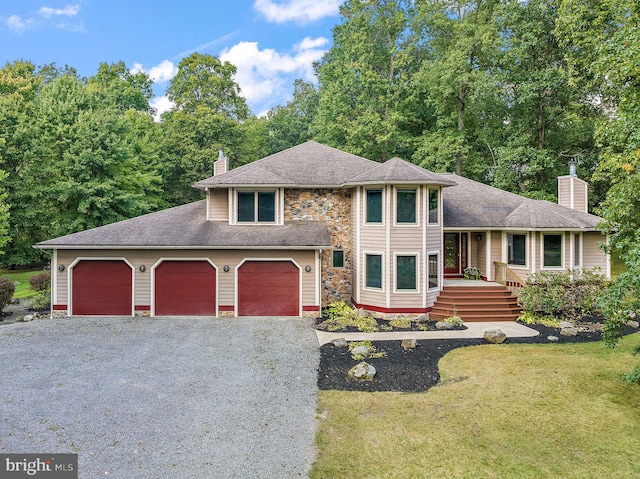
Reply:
x=502, y=411
x=22, y=278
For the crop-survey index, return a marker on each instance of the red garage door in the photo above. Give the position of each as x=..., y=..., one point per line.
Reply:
x=185, y=288
x=268, y=288
x=101, y=288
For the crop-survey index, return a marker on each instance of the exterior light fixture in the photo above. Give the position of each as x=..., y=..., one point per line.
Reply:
x=143, y=268
x=61, y=267
x=226, y=268
x=479, y=237
x=307, y=268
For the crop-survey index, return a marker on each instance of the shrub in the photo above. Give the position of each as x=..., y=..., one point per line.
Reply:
x=532, y=318
x=632, y=377
x=455, y=320
x=7, y=287
x=571, y=294
x=40, y=282
x=341, y=315
x=401, y=322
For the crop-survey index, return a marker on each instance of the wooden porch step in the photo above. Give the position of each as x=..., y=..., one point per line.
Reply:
x=476, y=303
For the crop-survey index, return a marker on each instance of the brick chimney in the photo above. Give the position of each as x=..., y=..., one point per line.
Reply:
x=572, y=191
x=221, y=165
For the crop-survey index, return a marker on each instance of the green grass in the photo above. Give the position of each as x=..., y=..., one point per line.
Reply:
x=509, y=411
x=22, y=277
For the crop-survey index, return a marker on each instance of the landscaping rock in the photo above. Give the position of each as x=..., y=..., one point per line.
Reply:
x=362, y=372
x=553, y=339
x=27, y=318
x=633, y=324
x=363, y=351
x=340, y=343
x=322, y=326
x=569, y=332
x=409, y=343
x=362, y=313
x=495, y=336
x=443, y=325
x=566, y=324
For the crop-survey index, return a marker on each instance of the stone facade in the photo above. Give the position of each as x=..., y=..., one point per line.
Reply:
x=333, y=206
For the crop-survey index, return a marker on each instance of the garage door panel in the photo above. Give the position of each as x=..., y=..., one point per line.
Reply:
x=185, y=288
x=268, y=288
x=102, y=288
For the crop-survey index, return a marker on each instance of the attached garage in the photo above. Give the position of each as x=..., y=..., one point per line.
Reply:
x=102, y=288
x=268, y=288
x=185, y=288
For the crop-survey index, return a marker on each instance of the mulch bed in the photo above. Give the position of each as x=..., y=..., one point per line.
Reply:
x=417, y=370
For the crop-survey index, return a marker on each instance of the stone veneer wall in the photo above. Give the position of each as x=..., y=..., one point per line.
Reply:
x=333, y=206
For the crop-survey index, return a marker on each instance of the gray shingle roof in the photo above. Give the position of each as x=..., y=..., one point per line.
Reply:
x=399, y=171
x=471, y=204
x=314, y=165
x=185, y=226
x=309, y=165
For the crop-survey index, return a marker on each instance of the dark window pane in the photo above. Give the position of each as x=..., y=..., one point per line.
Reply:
x=266, y=206
x=433, y=271
x=576, y=249
x=552, y=250
x=246, y=207
x=374, y=206
x=433, y=206
x=406, y=207
x=517, y=249
x=338, y=259
x=406, y=272
x=374, y=271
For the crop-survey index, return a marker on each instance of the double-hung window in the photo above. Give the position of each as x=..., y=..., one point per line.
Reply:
x=374, y=206
x=406, y=273
x=433, y=271
x=433, y=206
x=256, y=207
x=406, y=206
x=373, y=271
x=552, y=250
x=516, y=249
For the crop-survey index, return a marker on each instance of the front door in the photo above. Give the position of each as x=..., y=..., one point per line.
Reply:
x=452, y=253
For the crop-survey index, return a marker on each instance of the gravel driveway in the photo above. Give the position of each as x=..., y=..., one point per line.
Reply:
x=152, y=398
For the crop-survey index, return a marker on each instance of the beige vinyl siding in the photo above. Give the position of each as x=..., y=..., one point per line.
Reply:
x=571, y=185
x=564, y=191
x=218, y=204
x=592, y=256
x=220, y=258
x=495, y=253
x=580, y=196
x=479, y=255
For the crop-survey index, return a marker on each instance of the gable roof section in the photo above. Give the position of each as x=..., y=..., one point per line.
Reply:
x=312, y=165
x=471, y=204
x=184, y=226
x=398, y=171
x=307, y=165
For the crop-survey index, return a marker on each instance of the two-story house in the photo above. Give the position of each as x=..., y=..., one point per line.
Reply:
x=289, y=233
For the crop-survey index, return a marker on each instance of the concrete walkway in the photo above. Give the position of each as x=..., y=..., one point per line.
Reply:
x=474, y=330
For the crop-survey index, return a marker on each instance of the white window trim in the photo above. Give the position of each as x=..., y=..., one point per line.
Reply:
x=382, y=206
x=440, y=272
x=395, y=273
x=562, y=251
x=439, y=214
x=364, y=271
x=277, y=205
x=416, y=223
x=573, y=258
x=505, y=249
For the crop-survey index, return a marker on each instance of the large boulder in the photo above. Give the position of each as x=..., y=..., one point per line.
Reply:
x=409, y=343
x=495, y=336
x=444, y=325
x=362, y=351
x=339, y=342
x=569, y=331
x=362, y=372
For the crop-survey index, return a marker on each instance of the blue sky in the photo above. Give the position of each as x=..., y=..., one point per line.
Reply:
x=271, y=42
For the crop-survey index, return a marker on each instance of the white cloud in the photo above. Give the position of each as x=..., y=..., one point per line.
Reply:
x=265, y=76
x=299, y=11
x=162, y=72
x=15, y=23
x=68, y=11
x=161, y=104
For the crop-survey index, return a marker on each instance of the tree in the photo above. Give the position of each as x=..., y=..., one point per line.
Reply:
x=461, y=39
x=290, y=125
x=365, y=102
x=208, y=115
x=204, y=81
x=115, y=85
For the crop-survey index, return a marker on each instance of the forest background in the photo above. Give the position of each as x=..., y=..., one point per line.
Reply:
x=505, y=92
